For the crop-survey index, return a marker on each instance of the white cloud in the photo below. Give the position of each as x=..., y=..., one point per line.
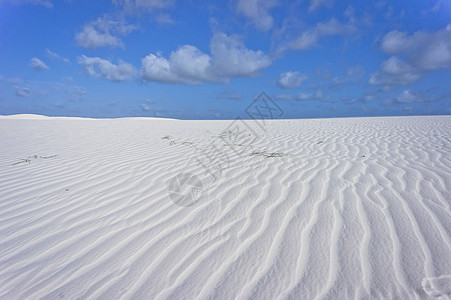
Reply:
x=102, y=68
x=22, y=91
x=143, y=5
x=90, y=38
x=394, y=42
x=229, y=58
x=353, y=74
x=317, y=3
x=157, y=68
x=291, y=80
x=103, y=32
x=38, y=64
x=51, y=54
x=408, y=109
x=424, y=50
x=408, y=96
x=55, y=56
x=318, y=95
x=186, y=65
x=145, y=107
x=394, y=71
x=437, y=7
x=311, y=37
x=303, y=96
x=74, y=93
x=258, y=12
x=190, y=62
x=368, y=96
x=283, y=97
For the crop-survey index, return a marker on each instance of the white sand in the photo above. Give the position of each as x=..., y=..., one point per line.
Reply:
x=342, y=209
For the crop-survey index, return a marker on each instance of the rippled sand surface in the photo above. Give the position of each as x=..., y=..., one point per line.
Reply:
x=353, y=208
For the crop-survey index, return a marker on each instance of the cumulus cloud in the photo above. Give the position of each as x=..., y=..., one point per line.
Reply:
x=427, y=51
x=258, y=12
x=186, y=65
x=38, y=64
x=422, y=51
x=229, y=58
x=90, y=38
x=103, y=32
x=139, y=6
x=291, y=80
x=394, y=71
x=102, y=68
x=157, y=68
x=310, y=38
x=317, y=3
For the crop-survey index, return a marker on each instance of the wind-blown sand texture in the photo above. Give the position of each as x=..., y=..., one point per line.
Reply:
x=353, y=208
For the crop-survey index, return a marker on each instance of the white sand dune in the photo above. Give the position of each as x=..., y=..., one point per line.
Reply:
x=165, y=209
x=25, y=117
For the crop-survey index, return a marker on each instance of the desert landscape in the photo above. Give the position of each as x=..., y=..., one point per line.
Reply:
x=145, y=208
x=236, y=149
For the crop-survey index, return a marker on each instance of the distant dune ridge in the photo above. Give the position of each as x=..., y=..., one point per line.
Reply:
x=356, y=208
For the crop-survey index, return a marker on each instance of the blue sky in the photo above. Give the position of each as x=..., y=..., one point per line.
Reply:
x=208, y=60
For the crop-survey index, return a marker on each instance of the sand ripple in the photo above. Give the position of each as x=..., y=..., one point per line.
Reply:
x=311, y=209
